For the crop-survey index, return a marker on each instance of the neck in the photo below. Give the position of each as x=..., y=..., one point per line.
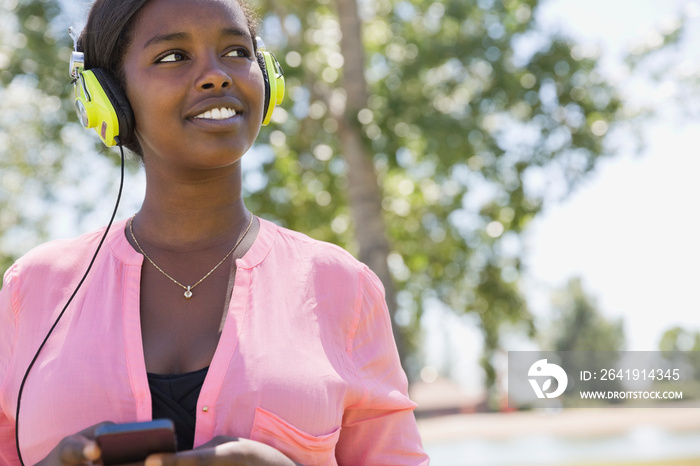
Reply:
x=198, y=212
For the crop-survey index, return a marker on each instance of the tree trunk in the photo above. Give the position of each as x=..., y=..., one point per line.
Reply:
x=364, y=192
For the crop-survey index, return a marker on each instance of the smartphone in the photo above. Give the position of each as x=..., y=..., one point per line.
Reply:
x=133, y=442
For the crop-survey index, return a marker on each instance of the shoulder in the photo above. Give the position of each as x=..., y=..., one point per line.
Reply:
x=293, y=244
x=327, y=264
x=60, y=252
x=58, y=258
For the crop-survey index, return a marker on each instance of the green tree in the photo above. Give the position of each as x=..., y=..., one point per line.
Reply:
x=32, y=115
x=679, y=339
x=467, y=128
x=585, y=339
x=578, y=325
x=50, y=171
x=683, y=346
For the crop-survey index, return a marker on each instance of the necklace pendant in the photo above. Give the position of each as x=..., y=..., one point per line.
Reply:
x=188, y=293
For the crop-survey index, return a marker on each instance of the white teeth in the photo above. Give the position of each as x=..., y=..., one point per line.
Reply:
x=217, y=114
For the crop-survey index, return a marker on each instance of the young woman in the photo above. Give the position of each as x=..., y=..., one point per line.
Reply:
x=264, y=346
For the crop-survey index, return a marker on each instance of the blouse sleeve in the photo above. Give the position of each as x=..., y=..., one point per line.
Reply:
x=7, y=336
x=381, y=427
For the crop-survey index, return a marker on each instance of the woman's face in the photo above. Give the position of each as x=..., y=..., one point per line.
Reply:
x=194, y=83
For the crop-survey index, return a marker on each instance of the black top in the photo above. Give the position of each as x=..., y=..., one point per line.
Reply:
x=175, y=397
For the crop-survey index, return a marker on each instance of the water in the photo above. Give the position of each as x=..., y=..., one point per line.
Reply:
x=639, y=444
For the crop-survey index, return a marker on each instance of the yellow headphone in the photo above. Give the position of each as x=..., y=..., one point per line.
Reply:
x=102, y=104
x=274, y=80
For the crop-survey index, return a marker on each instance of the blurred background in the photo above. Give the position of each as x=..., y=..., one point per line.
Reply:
x=519, y=173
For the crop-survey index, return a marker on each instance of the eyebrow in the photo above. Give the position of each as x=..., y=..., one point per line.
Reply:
x=160, y=38
x=175, y=36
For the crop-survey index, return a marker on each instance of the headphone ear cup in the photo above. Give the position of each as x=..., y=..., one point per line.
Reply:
x=102, y=104
x=267, y=108
x=277, y=93
x=274, y=83
x=117, y=97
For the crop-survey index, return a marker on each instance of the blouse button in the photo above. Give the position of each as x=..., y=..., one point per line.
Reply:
x=205, y=409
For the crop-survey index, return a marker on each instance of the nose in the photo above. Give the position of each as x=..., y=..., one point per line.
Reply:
x=213, y=76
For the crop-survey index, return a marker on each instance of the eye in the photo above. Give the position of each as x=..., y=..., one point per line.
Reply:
x=238, y=52
x=171, y=57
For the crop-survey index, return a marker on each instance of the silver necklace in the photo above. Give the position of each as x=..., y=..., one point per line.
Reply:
x=188, y=289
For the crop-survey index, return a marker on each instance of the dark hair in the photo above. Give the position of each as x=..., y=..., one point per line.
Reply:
x=108, y=33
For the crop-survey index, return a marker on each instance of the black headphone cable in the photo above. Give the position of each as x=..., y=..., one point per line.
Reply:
x=36, y=355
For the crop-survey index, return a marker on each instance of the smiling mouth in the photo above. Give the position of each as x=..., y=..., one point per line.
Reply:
x=217, y=114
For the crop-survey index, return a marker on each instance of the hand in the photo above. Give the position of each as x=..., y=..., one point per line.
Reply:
x=223, y=451
x=75, y=450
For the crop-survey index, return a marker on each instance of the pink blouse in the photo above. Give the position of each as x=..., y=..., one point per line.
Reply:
x=306, y=362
